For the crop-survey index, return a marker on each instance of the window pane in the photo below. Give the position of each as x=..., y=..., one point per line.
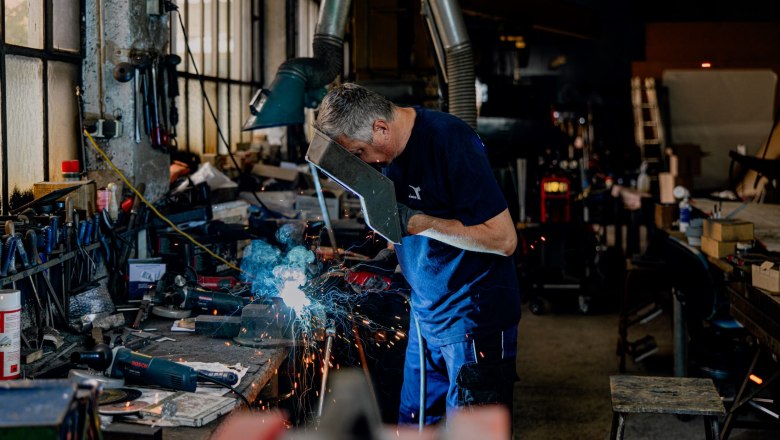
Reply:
x=24, y=81
x=224, y=51
x=238, y=21
x=181, y=127
x=210, y=141
x=209, y=38
x=24, y=23
x=66, y=16
x=195, y=117
x=236, y=115
x=224, y=119
x=194, y=23
x=63, y=116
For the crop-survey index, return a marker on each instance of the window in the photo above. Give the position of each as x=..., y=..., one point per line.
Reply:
x=225, y=37
x=40, y=68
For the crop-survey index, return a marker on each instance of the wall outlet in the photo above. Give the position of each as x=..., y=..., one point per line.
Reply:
x=104, y=128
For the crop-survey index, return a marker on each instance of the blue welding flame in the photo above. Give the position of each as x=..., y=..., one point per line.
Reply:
x=274, y=273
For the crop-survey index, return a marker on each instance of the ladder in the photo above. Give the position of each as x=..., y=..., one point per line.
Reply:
x=648, y=129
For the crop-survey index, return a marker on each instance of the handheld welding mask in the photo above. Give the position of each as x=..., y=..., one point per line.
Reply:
x=375, y=191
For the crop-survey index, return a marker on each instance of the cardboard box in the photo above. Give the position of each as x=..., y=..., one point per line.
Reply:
x=767, y=276
x=666, y=214
x=728, y=230
x=717, y=249
x=143, y=275
x=85, y=196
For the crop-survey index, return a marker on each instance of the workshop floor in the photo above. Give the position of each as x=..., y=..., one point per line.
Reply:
x=564, y=363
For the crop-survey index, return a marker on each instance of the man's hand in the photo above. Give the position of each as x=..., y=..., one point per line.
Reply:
x=405, y=214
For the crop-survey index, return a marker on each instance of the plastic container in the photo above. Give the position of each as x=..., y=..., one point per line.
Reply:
x=10, y=333
x=71, y=170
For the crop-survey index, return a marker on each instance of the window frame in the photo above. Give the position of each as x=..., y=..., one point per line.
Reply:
x=46, y=55
x=191, y=79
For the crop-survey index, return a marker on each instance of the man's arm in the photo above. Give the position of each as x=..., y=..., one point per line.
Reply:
x=495, y=236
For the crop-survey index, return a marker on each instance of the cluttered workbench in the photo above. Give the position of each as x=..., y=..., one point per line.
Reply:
x=262, y=365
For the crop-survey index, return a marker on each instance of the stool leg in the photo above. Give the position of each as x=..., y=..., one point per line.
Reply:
x=711, y=428
x=618, y=425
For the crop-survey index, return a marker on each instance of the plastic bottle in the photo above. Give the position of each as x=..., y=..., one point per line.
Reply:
x=113, y=204
x=685, y=207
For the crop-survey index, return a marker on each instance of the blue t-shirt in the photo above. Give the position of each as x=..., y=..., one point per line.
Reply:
x=444, y=172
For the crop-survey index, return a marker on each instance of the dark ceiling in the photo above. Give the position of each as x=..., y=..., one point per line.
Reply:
x=584, y=18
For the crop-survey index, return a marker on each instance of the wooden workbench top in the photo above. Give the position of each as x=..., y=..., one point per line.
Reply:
x=262, y=362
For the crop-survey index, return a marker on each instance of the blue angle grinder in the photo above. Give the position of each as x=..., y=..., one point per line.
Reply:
x=124, y=364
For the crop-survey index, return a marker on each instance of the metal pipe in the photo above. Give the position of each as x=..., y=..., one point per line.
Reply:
x=325, y=214
x=331, y=333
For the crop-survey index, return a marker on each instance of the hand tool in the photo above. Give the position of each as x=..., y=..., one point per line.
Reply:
x=145, y=98
x=200, y=301
x=137, y=101
x=171, y=62
x=8, y=265
x=31, y=243
x=157, y=134
x=79, y=109
x=69, y=225
x=122, y=363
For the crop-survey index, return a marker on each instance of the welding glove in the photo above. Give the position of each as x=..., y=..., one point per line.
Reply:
x=405, y=213
x=373, y=274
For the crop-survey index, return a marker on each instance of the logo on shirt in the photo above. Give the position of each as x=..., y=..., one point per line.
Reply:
x=415, y=195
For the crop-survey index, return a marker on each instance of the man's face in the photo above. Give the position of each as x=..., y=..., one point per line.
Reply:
x=373, y=154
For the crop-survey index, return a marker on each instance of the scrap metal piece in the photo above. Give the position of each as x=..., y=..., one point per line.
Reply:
x=375, y=191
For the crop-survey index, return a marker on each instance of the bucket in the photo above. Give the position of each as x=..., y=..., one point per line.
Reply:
x=10, y=328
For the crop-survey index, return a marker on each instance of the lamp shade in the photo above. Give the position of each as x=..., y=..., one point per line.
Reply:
x=281, y=104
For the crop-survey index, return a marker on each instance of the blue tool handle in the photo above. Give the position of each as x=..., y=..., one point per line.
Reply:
x=31, y=239
x=82, y=231
x=21, y=250
x=9, y=260
x=88, y=232
x=49, y=240
x=54, y=224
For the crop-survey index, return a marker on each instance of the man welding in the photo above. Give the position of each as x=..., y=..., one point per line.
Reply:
x=456, y=251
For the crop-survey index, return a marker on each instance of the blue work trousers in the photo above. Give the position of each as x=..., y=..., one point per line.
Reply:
x=479, y=371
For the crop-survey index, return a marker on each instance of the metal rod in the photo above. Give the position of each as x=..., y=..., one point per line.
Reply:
x=325, y=214
x=331, y=333
x=680, y=339
x=363, y=360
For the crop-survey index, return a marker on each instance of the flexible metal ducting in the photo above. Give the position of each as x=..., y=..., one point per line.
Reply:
x=459, y=59
x=328, y=46
x=298, y=81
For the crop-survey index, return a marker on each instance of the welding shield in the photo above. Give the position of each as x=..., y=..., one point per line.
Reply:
x=375, y=191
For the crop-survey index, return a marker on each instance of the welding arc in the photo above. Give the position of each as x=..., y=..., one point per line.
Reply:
x=158, y=213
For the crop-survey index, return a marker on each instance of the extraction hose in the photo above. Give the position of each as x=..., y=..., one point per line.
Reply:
x=459, y=60
x=328, y=47
x=462, y=92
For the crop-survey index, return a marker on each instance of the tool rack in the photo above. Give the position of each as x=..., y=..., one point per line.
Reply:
x=43, y=266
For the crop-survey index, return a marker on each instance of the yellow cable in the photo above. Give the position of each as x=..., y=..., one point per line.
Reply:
x=158, y=213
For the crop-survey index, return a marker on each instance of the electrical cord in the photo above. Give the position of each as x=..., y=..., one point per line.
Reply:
x=157, y=212
x=206, y=378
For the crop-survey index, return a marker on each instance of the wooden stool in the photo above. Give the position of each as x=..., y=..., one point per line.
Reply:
x=664, y=395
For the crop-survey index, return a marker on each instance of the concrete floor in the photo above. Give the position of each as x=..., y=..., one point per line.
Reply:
x=564, y=363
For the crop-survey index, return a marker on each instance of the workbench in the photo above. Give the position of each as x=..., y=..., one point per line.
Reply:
x=759, y=312
x=262, y=362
